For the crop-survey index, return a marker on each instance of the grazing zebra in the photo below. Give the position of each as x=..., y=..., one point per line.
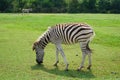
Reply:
x=65, y=34
x=26, y=10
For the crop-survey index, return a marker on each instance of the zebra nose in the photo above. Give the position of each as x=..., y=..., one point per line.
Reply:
x=39, y=62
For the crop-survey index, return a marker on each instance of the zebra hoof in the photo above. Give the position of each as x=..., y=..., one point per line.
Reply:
x=55, y=65
x=78, y=69
x=89, y=67
x=66, y=70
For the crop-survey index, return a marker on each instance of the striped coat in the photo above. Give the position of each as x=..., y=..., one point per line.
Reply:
x=67, y=34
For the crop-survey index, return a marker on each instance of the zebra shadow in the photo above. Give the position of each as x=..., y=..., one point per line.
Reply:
x=71, y=73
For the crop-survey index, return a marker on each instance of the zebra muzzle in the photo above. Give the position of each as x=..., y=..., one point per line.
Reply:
x=39, y=62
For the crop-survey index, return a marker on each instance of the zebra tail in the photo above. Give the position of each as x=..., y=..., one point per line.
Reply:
x=87, y=46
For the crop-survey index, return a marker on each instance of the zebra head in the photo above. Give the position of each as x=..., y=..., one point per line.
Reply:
x=39, y=52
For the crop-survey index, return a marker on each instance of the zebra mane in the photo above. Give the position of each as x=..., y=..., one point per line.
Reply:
x=43, y=40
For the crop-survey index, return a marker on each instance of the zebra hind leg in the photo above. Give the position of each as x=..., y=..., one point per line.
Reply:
x=89, y=51
x=83, y=48
x=83, y=60
x=85, y=51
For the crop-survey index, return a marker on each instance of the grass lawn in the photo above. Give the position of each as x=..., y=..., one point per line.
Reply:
x=17, y=60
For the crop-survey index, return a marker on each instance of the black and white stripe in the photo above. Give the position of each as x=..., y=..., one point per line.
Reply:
x=68, y=34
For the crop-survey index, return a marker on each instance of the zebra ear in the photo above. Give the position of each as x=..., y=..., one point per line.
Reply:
x=33, y=48
x=35, y=43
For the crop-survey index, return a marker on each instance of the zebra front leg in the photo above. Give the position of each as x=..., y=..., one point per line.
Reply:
x=57, y=59
x=63, y=55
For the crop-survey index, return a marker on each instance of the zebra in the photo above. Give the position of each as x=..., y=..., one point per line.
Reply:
x=26, y=10
x=69, y=33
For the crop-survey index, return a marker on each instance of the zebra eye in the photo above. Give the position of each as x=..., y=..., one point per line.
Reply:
x=36, y=52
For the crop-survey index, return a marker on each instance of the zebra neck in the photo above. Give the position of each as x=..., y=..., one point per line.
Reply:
x=44, y=40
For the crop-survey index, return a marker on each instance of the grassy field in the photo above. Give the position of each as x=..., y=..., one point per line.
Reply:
x=17, y=60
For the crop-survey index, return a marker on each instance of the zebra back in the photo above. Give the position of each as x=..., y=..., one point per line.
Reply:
x=72, y=33
x=66, y=34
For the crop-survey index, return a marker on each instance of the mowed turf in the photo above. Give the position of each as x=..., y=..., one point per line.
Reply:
x=19, y=31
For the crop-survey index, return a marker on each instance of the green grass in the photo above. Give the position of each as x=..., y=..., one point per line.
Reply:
x=17, y=60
